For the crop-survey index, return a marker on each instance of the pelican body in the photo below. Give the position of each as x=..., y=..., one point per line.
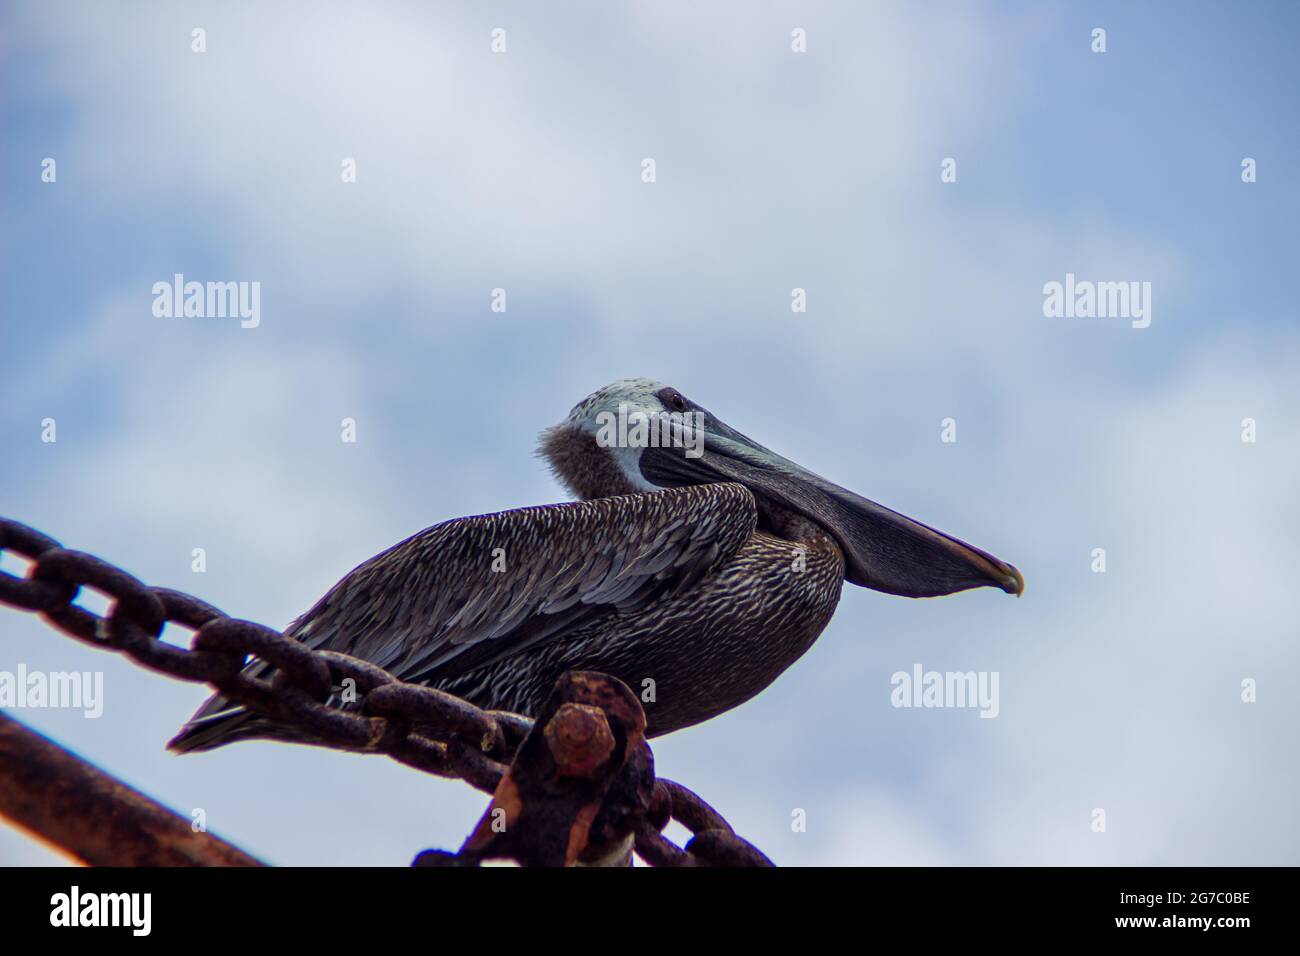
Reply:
x=696, y=567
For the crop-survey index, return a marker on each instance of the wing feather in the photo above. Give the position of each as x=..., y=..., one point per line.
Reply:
x=440, y=603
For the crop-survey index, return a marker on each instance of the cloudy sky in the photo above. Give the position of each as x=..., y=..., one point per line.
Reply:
x=775, y=170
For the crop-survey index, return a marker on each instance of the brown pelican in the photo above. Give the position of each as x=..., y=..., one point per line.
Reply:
x=697, y=566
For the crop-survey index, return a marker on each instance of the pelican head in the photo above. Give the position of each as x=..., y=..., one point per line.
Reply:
x=639, y=435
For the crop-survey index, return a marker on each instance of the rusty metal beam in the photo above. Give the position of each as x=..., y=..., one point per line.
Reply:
x=579, y=783
x=78, y=809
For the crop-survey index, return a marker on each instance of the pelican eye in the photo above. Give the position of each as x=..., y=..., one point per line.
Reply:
x=673, y=399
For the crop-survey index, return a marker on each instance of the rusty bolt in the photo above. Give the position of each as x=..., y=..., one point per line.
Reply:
x=579, y=739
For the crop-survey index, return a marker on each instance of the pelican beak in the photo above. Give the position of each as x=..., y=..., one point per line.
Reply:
x=883, y=550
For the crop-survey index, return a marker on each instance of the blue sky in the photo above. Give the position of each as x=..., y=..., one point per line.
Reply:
x=775, y=170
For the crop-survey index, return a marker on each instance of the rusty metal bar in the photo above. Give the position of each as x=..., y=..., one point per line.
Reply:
x=578, y=784
x=72, y=806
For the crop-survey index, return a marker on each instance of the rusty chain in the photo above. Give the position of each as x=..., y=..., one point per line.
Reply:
x=419, y=726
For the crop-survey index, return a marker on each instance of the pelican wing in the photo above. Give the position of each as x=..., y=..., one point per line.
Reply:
x=469, y=591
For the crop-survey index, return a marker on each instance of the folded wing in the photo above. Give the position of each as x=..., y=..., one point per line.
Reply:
x=470, y=591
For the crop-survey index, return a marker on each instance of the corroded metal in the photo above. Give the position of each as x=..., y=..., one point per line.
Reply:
x=78, y=809
x=544, y=812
